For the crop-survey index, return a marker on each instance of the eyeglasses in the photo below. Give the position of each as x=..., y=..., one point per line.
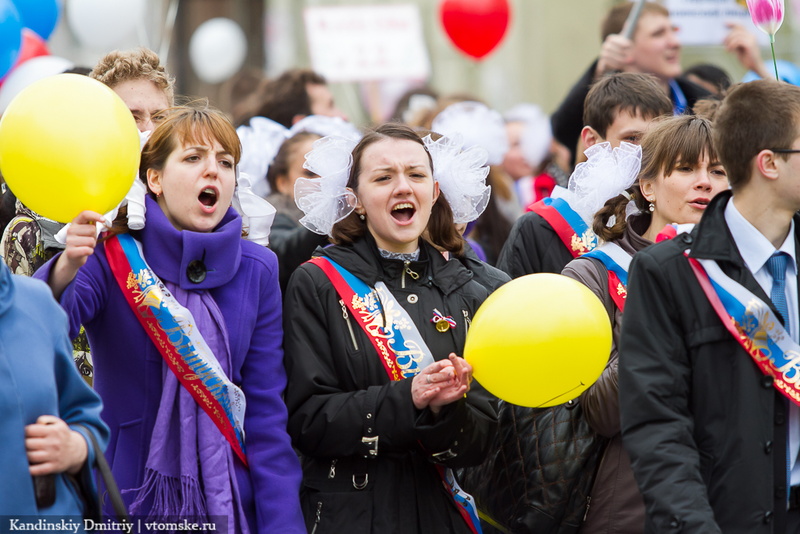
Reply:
x=785, y=150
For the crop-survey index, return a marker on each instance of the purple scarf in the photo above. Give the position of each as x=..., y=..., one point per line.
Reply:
x=202, y=483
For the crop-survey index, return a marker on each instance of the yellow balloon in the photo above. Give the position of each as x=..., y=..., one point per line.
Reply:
x=68, y=143
x=540, y=340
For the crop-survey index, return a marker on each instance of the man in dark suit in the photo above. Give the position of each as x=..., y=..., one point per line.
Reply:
x=709, y=366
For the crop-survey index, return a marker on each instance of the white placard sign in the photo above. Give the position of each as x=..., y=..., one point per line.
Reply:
x=365, y=43
x=703, y=22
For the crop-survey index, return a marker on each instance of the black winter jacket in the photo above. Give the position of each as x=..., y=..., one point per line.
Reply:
x=705, y=429
x=567, y=121
x=293, y=244
x=335, y=378
x=533, y=247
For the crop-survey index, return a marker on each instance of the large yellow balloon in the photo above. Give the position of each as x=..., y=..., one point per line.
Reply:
x=68, y=143
x=539, y=340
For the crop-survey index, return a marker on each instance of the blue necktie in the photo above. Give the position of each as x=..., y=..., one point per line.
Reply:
x=776, y=265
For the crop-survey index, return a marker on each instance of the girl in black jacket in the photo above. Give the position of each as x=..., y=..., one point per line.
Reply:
x=380, y=418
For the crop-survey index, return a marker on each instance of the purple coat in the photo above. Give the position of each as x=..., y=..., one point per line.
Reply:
x=243, y=279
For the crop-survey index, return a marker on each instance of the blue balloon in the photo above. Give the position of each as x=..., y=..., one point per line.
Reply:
x=40, y=16
x=10, y=36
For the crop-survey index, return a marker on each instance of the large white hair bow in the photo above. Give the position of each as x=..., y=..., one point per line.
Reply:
x=326, y=200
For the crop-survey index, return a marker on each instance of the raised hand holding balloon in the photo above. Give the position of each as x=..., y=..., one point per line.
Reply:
x=475, y=27
x=540, y=340
x=68, y=143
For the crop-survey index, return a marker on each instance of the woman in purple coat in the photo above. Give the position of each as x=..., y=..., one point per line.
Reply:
x=184, y=320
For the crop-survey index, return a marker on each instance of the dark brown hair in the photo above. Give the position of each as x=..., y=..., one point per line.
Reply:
x=280, y=164
x=441, y=231
x=287, y=96
x=615, y=19
x=763, y=114
x=624, y=91
x=668, y=142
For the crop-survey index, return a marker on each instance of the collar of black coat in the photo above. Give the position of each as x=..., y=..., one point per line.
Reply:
x=364, y=261
x=711, y=238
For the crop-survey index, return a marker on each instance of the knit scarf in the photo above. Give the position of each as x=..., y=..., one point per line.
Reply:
x=201, y=485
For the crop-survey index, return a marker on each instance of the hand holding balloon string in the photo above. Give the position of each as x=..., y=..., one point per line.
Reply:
x=81, y=241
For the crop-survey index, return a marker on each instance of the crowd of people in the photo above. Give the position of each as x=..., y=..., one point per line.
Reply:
x=307, y=374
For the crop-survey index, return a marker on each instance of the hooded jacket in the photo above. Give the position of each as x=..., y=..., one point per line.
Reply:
x=339, y=391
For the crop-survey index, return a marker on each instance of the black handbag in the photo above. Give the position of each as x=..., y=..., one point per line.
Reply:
x=539, y=472
x=92, y=501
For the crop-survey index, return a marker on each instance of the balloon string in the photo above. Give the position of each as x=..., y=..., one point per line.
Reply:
x=545, y=403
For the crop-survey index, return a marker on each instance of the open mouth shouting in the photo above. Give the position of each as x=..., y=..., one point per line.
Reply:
x=208, y=198
x=403, y=212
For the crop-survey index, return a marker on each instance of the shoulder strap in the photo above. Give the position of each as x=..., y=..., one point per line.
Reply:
x=93, y=510
x=570, y=228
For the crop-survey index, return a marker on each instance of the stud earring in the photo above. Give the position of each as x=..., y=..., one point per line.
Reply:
x=362, y=216
x=652, y=206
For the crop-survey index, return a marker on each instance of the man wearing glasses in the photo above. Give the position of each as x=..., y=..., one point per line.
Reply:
x=709, y=355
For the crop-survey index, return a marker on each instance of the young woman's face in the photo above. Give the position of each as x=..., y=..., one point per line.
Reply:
x=683, y=195
x=285, y=182
x=396, y=193
x=195, y=187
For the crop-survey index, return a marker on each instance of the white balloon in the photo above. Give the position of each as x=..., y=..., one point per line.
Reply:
x=104, y=23
x=31, y=71
x=217, y=50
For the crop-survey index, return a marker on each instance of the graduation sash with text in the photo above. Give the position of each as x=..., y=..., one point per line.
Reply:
x=753, y=324
x=568, y=225
x=617, y=262
x=172, y=330
x=399, y=343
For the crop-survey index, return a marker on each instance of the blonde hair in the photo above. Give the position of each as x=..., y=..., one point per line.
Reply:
x=141, y=64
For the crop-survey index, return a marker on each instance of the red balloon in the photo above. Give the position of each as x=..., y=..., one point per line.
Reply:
x=476, y=27
x=32, y=46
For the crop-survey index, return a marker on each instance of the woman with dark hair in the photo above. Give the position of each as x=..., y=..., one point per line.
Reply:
x=292, y=242
x=680, y=175
x=184, y=320
x=381, y=407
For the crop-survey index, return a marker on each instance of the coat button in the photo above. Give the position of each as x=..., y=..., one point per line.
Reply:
x=767, y=516
x=196, y=271
x=779, y=419
x=767, y=381
x=412, y=299
x=687, y=238
x=768, y=447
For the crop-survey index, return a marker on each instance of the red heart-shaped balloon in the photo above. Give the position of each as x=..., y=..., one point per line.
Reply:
x=476, y=27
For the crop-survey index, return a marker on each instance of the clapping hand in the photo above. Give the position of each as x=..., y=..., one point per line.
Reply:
x=441, y=383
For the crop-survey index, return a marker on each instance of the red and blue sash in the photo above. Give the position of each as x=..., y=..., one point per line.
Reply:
x=751, y=322
x=617, y=262
x=172, y=330
x=401, y=347
x=568, y=225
